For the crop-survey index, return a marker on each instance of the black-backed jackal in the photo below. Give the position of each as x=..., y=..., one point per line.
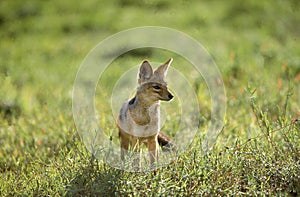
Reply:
x=139, y=118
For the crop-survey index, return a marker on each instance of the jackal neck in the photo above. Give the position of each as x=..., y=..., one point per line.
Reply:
x=139, y=110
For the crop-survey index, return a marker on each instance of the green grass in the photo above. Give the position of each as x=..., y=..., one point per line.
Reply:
x=255, y=45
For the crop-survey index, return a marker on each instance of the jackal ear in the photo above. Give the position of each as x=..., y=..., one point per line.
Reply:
x=146, y=71
x=163, y=69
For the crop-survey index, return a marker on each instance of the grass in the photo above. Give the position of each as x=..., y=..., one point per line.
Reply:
x=255, y=45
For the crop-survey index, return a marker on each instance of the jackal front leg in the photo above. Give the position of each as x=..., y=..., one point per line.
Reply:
x=153, y=149
x=136, y=153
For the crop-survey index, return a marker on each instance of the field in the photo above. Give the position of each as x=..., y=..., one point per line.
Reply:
x=255, y=45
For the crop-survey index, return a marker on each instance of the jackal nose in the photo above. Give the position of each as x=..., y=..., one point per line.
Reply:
x=170, y=96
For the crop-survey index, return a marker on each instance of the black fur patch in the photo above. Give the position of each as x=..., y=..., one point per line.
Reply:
x=132, y=101
x=122, y=113
x=120, y=116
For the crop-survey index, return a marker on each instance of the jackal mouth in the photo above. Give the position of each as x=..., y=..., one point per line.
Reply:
x=168, y=98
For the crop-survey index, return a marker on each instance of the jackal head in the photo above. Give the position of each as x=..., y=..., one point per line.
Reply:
x=153, y=84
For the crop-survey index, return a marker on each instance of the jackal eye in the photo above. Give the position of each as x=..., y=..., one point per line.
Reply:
x=156, y=87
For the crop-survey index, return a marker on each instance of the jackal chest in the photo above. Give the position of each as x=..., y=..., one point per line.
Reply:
x=150, y=128
x=131, y=126
x=145, y=130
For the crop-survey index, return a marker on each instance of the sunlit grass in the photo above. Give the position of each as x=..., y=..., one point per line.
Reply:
x=254, y=44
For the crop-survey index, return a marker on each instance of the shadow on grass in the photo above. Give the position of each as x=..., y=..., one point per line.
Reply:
x=94, y=180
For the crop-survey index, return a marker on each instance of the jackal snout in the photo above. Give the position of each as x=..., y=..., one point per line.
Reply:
x=163, y=93
x=153, y=91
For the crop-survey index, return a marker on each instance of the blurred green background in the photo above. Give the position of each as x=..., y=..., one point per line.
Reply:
x=44, y=42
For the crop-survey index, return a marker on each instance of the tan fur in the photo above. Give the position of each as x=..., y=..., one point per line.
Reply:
x=139, y=118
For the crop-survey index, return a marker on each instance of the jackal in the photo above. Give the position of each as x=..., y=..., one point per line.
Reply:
x=139, y=118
